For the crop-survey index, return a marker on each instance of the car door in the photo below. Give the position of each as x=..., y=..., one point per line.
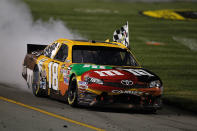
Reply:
x=48, y=68
x=60, y=70
x=54, y=67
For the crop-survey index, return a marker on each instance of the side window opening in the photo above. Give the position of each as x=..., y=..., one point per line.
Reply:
x=51, y=50
x=62, y=53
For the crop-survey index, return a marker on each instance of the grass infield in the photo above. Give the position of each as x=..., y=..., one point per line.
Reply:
x=163, y=46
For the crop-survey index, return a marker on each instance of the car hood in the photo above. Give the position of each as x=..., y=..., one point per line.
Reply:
x=79, y=69
x=116, y=76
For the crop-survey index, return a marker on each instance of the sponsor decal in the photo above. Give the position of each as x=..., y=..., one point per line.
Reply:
x=40, y=63
x=65, y=75
x=93, y=66
x=138, y=72
x=82, y=85
x=65, y=72
x=36, y=53
x=66, y=80
x=133, y=92
x=68, y=61
x=109, y=73
x=172, y=14
x=42, y=73
x=127, y=82
x=43, y=79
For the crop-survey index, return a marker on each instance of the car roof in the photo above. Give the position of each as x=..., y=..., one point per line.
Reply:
x=91, y=43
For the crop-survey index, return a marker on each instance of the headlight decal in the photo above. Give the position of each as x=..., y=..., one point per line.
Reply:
x=93, y=80
x=155, y=83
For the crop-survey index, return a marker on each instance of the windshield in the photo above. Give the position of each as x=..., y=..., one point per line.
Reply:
x=102, y=56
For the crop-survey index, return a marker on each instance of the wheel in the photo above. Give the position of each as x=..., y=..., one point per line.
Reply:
x=37, y=91
x=153, y=111
x=73, y=93
x=150, y=111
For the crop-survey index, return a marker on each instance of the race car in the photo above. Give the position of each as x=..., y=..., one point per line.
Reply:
x=91, y=73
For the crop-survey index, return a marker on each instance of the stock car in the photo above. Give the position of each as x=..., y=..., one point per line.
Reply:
x=91, y=73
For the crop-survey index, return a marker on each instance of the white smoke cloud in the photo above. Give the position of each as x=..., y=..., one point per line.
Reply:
x=16, y=30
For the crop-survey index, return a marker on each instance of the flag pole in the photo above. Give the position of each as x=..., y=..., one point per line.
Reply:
x=128, y=33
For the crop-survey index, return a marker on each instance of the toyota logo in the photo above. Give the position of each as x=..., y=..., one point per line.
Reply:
x=127, y=82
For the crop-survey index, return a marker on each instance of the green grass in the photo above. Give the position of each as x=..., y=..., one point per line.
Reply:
x=175, y=63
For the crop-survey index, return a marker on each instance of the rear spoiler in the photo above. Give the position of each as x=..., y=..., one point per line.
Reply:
x=35, y=47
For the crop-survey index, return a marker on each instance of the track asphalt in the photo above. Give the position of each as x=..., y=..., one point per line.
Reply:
x=21, y=111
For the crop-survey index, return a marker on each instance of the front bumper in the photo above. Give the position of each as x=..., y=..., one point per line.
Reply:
x=126, y=100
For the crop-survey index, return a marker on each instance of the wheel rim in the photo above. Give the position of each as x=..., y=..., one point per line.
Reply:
x=37, y=88
x=71, y=96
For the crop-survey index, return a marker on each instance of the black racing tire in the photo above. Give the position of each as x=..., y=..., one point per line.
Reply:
x=36, y=83
x=153, y=111
x=150, y=111
x=72, y=97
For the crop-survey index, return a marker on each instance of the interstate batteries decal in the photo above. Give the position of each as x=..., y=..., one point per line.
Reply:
x=172, y=14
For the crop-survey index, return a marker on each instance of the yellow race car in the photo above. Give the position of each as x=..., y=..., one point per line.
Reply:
x=91, y=73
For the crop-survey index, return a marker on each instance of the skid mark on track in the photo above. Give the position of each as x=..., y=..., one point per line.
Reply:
x=190, y=43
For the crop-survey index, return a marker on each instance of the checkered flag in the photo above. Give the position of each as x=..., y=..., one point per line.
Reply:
x=122, y=35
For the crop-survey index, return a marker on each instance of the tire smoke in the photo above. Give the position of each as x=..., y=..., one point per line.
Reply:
x=17, y=28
